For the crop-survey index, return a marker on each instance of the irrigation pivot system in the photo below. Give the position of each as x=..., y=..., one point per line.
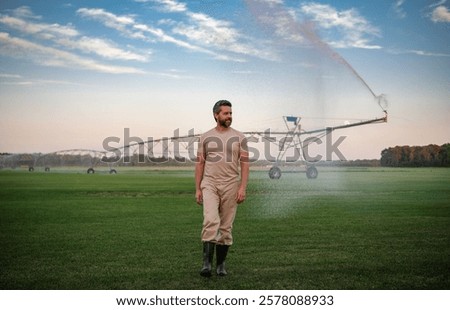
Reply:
x=294, y=138
x=298, y=139
x=67, y=158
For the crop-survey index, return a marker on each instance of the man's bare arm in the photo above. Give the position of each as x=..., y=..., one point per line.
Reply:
x=245, y=171
x=199, y=169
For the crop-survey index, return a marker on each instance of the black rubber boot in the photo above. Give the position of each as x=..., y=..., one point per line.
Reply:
x=222, y=251
x=208, y=254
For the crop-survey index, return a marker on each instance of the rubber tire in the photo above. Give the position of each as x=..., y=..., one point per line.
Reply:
x=275, y=173
x=311, y=172
x=90, y=170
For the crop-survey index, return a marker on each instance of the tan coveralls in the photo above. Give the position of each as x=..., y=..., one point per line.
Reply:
x=220, y=182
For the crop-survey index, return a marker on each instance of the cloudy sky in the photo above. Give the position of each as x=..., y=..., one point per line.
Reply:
x=73, y=73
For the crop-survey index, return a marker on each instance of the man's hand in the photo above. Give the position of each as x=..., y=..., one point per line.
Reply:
x=199, y=196
x=240, y=196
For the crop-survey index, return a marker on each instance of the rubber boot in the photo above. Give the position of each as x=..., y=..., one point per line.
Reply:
x=222, y=251
x=208, y=254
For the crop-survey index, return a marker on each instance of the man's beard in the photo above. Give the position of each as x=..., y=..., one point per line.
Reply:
x=225, y=123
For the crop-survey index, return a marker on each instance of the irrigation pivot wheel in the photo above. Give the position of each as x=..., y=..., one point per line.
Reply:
x=275, y=172
x=311, y=172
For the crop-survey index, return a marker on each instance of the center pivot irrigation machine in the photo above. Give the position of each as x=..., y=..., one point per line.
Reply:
x=294, y=138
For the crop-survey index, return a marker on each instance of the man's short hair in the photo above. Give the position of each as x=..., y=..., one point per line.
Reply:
x=218, y=104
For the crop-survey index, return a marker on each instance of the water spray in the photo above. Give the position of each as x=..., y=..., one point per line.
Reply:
x=382, y=102
x=274, y=16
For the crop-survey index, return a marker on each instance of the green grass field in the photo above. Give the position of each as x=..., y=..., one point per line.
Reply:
x=348, y=229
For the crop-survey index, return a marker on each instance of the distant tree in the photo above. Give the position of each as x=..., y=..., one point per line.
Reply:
x=416, y=156
x=444, y=155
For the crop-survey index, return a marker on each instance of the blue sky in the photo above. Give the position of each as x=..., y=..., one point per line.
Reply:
x=75, y=73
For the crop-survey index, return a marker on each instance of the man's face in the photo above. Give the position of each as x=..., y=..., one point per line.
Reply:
x=224, y=117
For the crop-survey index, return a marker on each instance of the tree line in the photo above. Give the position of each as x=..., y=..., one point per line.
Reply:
x=399, y=156
x=431, y=155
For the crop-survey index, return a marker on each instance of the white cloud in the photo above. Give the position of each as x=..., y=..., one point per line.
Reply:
x=21, y=81
x=440, y=14
x=127, y=26
x=172, y=5
x=417, y=52
x=161, y=36
x=272, y=2
x=25, y=12
x=284, y=26
x=43, y=30
x=425, y=53
x=398, y=9
x=355, y=30
x=202, y=30
x=439, y=3
x=341, y=29
x=217, y=34
x=109, y=19
x=206, y=31
x=211, y=31
x=167, y=5
x=103, y=48
x=10, y=76
x=48, y=56
x=68, y=37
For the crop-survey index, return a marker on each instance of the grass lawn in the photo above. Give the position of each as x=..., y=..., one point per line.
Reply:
x=354, y=228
